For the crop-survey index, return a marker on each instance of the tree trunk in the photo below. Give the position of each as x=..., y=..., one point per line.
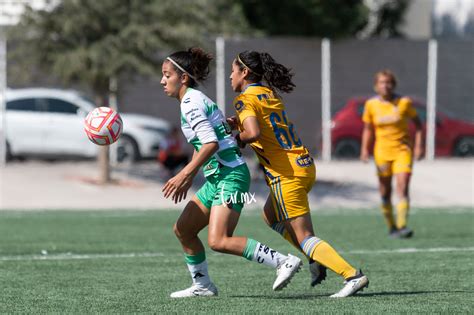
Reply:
x=103, y=159
x=104, y=165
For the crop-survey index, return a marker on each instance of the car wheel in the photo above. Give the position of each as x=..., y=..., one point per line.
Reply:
x=127, y=150
x=347, y=149
x=464, y=147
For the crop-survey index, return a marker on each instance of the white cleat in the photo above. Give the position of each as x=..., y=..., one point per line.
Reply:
x=318, y=273
x=195, y=290
x=353, y=285
x=285, y=271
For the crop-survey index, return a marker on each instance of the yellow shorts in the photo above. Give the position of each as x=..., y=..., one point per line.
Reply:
x=289, y=195
x=402, y=162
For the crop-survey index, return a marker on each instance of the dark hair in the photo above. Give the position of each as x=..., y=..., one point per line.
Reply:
x=195, y=61
x=263, y=66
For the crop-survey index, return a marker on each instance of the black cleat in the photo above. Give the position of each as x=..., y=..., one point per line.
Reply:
x=318, y=273
x=405, y=232
x=393, y=233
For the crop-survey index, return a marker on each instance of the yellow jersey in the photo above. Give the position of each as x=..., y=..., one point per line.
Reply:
x=279, y=149
x=390, y=120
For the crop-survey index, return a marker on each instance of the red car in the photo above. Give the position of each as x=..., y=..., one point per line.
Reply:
x=454, y=137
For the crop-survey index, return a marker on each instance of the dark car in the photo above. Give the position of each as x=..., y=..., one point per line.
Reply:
x=454, y=137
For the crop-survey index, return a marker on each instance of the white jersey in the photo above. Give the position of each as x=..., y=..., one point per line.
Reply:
x=203, y=122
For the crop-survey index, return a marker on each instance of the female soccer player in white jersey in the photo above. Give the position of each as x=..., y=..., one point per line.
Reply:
x=227, y=175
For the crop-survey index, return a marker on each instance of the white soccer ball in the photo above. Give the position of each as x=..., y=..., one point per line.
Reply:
x=103, y=126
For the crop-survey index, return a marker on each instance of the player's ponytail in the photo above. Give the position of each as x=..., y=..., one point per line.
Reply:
x=200, y=63
x=262, y=66
x=276, y=75
x=194, y=62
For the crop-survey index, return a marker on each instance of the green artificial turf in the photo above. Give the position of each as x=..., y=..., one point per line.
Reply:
x=83, y=262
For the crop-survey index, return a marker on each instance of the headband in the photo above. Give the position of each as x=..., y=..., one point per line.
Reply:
x=243, y=64
x=180, y=68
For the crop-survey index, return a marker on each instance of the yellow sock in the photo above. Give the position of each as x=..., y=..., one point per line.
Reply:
x=387, y=211
x=402, y=213
x=324, y=254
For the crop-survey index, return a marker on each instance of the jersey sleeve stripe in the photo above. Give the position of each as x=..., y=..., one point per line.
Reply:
x=196, y=124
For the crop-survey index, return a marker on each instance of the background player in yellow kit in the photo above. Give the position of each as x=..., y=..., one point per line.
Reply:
x=288, y=166
x=389, y=114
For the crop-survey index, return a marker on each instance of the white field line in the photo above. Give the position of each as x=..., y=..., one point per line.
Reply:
x=69, y=256
x=409, y=250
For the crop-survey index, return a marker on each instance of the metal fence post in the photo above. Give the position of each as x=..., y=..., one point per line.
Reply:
x=326, y=97
x=431, y=99
x=3, y=84
x=220, y=73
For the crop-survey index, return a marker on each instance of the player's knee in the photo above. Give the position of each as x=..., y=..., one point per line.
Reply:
x=176, y=231
x=180, y=233
x=216, y=243
x=402, y=190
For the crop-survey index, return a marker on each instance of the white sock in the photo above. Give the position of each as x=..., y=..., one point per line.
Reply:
x=267, y=256
x=199, y=274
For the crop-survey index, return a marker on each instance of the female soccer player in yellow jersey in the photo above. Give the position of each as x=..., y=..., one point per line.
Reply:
x=388, y=114
x=288, y=166
x=226, y=173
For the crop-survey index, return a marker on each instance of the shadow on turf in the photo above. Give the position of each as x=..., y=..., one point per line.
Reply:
x=354, y=191
x=410, y=293
x=281, y=297
x=308, y=296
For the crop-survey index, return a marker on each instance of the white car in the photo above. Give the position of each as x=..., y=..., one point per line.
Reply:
x=49, y=122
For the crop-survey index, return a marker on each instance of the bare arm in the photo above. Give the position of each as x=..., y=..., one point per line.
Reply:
x=199, y=158
x=251, y=131
x=419, y=148
x=367, y=135
x=178, y=185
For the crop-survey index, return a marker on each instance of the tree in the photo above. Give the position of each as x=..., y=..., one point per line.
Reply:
x=326, y=18
x=92, y=42
x=322, y=18
x=384, y=19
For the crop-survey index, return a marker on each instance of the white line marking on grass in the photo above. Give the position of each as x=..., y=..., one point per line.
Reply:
x=409, y=250
x=70, y=256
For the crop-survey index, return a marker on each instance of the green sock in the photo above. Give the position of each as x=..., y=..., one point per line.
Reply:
x=250, y=248
x=195, y=259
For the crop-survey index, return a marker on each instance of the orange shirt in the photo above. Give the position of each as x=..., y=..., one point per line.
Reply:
x=390, y=120
x=279, y=148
